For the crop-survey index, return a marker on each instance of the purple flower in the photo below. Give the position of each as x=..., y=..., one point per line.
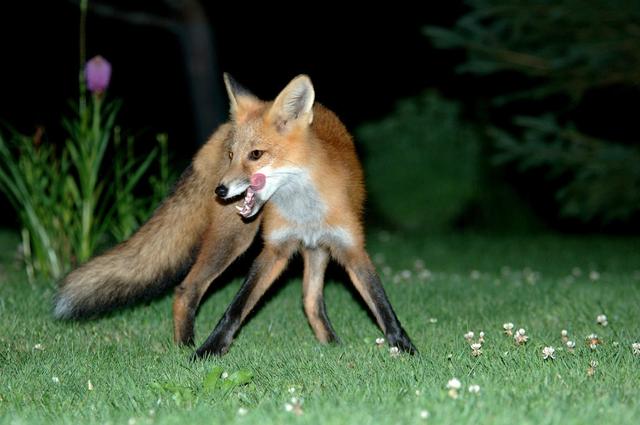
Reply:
x=98, y=73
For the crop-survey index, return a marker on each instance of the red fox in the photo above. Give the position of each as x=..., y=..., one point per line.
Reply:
x=288, y=166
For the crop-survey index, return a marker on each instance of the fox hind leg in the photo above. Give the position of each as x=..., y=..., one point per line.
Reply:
x=366, y=280
x=315, y=264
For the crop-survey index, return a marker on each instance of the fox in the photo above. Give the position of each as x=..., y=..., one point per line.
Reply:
x=287, y=168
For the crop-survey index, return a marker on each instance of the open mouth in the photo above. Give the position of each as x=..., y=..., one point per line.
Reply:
x=258, y=181
x=249, y=202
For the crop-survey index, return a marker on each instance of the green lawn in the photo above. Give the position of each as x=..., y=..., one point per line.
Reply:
x=543, y=284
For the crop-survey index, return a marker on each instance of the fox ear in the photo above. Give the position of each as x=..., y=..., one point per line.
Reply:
x=241, y=100
x=294, y=104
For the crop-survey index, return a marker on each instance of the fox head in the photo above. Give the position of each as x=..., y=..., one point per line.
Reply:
x=267, y=142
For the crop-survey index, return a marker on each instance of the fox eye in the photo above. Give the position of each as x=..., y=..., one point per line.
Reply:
x=255, y=155
x=230, y=155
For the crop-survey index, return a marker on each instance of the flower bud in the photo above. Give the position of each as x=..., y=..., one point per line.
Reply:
x=98, y=74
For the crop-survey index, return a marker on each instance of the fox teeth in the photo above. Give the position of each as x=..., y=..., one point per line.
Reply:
x=248, y=203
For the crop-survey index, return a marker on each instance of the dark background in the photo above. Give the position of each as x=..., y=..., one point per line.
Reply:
x=361, y=65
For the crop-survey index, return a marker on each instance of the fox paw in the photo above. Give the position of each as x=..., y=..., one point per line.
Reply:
x=214, y=346
x=403, y=343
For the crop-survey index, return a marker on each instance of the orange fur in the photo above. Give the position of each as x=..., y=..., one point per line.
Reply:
x=310, y=199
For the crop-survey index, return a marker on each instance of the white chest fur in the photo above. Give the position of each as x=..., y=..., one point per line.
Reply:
x=298, y=202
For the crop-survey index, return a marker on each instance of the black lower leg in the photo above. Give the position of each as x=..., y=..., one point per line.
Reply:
x=266, y=268
x=220, y=339
x=395, y=334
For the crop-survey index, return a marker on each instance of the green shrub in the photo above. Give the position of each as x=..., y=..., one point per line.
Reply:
x=421, y=163
x=73, y=197
x=602, y=178
x=563, y=49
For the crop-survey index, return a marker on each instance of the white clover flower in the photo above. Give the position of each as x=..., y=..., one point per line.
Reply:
x=474, y=388
x=294, y=406
x=564, y=333
x=508, y=328
x=636, y=348
x=476, y=349
x=418, y=392
x=292, y=390
x=242, y=411
x=548, y=353
x=469, y=335
x=520, y=337
x=425, y=274
x=594, y=275
x=55, y=379
x=379, y=341
x=475, y=274
x=593, y=341
x=89, y=385
x=406, y=274
x=602, y=320
x=224, y=375
x=424, y=414
x=433, y=320
x=571, y=345
x=481, y=334
x=38, y=347
x=454, y=384
x=394, y=351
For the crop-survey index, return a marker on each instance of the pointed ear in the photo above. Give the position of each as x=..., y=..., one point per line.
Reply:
x=294, y=104
x=241, y=100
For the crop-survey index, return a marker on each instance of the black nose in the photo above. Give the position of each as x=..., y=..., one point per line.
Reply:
x=222, y=191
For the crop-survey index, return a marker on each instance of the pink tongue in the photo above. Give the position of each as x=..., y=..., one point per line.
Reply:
x=257, y=181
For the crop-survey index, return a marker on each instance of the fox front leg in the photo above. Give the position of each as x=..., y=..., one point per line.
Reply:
x=219, y=249
x=264, y=271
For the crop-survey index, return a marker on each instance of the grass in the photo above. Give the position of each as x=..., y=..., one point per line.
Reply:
x=475, y=283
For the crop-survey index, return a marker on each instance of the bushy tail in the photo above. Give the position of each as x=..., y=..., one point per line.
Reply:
x=156, y=257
